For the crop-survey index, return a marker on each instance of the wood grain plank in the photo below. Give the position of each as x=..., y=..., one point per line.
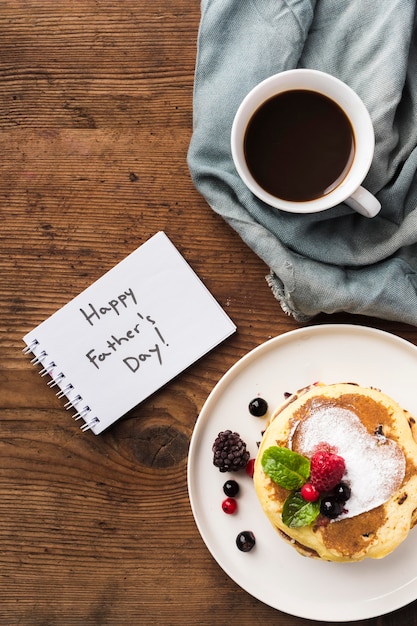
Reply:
x=95, y=121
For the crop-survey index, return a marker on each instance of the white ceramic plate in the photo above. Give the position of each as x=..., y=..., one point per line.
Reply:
x=274, y=572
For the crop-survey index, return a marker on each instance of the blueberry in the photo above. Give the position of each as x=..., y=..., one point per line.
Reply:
x=231, y=488
x=342, y=492
x=245, y=540
x=258, y=407
x=330, y=507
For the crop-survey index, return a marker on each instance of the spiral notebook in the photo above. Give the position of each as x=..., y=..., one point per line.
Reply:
x=128, y=334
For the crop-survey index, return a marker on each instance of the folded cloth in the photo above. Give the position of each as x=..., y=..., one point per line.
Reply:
x=335, y=260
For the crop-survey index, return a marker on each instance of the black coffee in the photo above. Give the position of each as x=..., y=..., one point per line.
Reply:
x=299, y=145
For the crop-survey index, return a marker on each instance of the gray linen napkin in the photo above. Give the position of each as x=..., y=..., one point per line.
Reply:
x=335, y=260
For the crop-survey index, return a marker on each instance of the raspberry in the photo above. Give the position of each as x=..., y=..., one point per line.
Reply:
x=327, y=469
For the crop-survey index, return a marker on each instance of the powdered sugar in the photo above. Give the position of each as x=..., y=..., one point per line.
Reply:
x=375, y=465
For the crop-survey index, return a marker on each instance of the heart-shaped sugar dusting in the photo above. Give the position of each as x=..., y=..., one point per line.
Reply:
x=375, y=465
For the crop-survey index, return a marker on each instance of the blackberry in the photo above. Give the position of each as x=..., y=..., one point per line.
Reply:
x=229, y=452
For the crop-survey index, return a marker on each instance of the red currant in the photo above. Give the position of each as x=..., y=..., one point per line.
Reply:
x=309, y=492
x=229, y=506
x=250, y=467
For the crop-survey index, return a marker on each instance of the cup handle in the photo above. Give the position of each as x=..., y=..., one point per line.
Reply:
x=364, y=202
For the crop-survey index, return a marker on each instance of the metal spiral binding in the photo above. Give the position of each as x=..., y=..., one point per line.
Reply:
x=64, y=392
x=81, y=414
x=90, y=424
x=39, y=358
x=30, y=347
x=47, y=369
x=72, y=403
x=55, y=381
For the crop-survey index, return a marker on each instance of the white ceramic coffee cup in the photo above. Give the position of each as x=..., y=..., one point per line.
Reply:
x=349, y=189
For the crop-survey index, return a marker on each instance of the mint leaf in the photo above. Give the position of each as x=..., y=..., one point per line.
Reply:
x=285, y=467
x=297, y=512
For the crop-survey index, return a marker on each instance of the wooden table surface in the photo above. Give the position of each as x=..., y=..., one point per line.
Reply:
x=95, y=120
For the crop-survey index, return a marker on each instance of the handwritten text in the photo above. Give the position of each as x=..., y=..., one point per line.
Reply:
x=134, y=362
x=116, y=341
x=115, y=305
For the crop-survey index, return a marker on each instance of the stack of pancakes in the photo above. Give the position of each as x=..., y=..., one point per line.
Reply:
x=374, y=435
